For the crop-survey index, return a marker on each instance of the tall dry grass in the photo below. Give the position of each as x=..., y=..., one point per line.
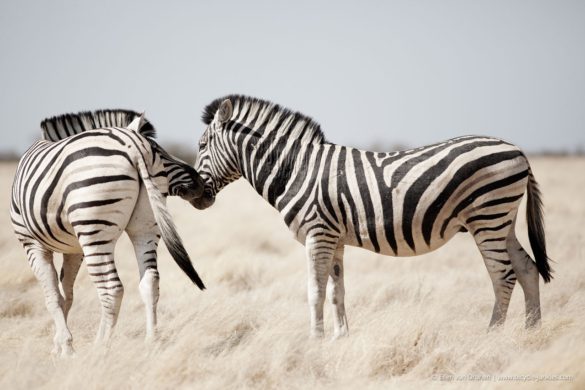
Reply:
x=414, y=322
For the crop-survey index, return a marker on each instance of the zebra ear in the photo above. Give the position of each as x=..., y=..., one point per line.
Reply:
x=225, y=111
x=136, y=123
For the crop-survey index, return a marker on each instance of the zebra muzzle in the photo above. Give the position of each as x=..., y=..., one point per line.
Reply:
x=206, y=200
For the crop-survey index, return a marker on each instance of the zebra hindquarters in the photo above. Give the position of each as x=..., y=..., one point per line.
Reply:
x=98, y=215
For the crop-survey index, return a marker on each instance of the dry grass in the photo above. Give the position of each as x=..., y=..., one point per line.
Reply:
x=413, y=322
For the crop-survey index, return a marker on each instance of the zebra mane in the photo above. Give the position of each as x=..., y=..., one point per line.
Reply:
x=62, y=126
x=246, y=103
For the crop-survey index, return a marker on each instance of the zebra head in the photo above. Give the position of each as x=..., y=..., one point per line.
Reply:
x=217, y=161
x=183, y=180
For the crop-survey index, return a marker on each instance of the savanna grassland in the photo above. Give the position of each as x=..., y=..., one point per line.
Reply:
x=414, y=322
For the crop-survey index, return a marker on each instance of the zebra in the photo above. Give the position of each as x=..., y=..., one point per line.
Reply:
x=92, y=176
x=402, y=203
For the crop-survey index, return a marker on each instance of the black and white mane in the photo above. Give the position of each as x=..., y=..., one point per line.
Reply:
x=258, y=113
x=62, y=126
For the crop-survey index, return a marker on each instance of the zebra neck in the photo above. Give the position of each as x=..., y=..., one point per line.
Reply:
x=273, y=168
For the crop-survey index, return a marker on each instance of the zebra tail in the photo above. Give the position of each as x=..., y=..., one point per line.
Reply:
x=535, y=221
x=167, y=228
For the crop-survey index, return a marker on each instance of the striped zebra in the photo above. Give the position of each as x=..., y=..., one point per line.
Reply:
x=93, y=176
x=403, y=203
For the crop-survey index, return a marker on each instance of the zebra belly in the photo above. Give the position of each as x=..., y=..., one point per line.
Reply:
x=379, y=242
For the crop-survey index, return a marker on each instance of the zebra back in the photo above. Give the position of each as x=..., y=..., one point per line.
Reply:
x=62, y=126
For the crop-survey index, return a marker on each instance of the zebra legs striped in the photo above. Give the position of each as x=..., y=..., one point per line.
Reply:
x=41, y=262
x=491, y=236
x=149, y=291
x=336, y=292
x=69, y=270
x=143, y=234
x=103, y=273
x=528, y=276
x=320, y=255
x=145, y=249
x=506, y=262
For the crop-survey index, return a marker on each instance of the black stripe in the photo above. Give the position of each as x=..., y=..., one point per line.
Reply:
x=93, y=203
x=364, y=190
x=500, y=201
x=90, y=233
x=344, y=192
x=485, y=217
x=325, y=184
x=385, y=193
x=92, y=222
x=492, y=240
x=492, y=229
x=96, y=243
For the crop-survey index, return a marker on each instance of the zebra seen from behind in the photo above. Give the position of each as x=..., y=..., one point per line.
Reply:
x=403, y=203
x=78, y=189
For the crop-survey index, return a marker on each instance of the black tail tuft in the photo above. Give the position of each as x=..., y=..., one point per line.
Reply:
x=179, y=254
x=535, y=221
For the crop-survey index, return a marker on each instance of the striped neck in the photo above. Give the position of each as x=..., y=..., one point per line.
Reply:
x=269, y=159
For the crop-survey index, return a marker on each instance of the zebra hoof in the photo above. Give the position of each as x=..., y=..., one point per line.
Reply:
x=68, y=352
x=56, y=351
x=340, y=335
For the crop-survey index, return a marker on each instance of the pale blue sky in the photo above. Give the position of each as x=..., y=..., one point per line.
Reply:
x=411, y=72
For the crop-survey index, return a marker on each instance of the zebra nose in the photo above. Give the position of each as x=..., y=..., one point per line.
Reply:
x=199, y=186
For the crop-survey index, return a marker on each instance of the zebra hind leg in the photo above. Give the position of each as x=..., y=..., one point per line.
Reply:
x=144, y=235
x=71, y=264
x=319, y=255
x=336, y=292
x=145, y=248
x=497, y=261
x=528, y=277
x=103, y=273
x=41, y=262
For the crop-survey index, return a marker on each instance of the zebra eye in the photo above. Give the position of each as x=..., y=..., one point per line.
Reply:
x=203, y=141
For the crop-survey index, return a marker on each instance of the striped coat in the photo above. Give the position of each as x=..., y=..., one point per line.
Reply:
x=401, y=203
x=77, y=190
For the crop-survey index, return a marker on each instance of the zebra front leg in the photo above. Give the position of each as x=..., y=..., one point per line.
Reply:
x=319, y=256
x=41, y=262
x=336, y=292
x=103, y=273
x=69, y=270
x=528, y=276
